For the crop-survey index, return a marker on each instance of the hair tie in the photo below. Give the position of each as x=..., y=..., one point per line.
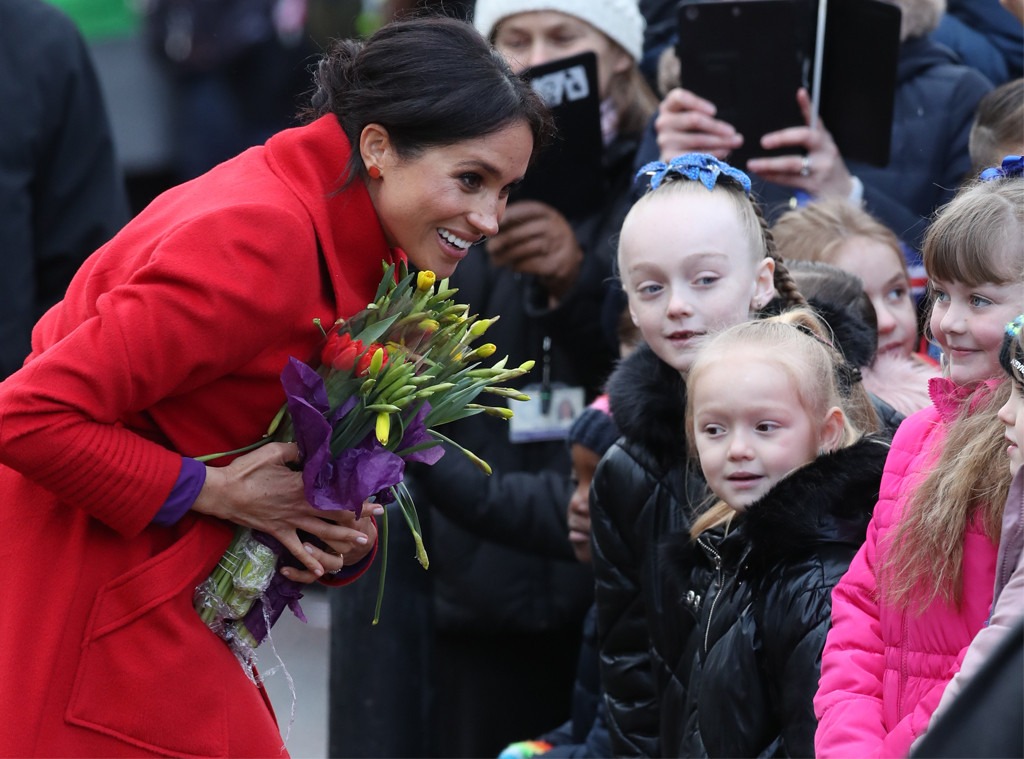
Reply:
x=848, y=376
x=698, y=167
x=1013, y=329
x=1012, y=166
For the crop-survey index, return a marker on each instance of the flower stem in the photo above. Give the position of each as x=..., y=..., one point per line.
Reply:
x=383, y=565
x=245, y=449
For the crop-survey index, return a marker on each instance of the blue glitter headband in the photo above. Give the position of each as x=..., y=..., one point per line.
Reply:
x=1012, y=166
x=698, y=167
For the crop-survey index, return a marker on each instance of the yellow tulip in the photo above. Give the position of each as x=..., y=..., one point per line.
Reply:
x=425, y=280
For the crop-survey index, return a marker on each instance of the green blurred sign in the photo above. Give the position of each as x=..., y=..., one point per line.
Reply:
x=99, y=19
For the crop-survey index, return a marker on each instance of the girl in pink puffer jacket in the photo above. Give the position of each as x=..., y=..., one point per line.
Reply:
x=920, y=588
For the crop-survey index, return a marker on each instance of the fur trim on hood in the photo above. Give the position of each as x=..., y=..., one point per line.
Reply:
x=648, y=403
x=900, y=382
x=828, y=501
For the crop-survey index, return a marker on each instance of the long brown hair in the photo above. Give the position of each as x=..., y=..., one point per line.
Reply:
x=975, y=238
x=968, y=483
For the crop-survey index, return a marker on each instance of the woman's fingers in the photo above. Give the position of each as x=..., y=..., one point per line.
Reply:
x=330, y=563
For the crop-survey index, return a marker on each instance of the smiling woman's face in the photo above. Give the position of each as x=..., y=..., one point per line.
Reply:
x=436, y=204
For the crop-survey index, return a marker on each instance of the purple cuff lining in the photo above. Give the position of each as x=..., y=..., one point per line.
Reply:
x=184, y=493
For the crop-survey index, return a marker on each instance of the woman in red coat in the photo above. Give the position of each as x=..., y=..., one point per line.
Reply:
x=169, y=345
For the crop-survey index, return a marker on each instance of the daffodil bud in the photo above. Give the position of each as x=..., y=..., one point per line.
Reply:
x=527, y=365
x=383, y=427
x=429, y=325
x=508, y=392
x=421, y=551
x=499, y=411
x=485, y=351
x=479, y=327
x=425, y=280
x=377, y=361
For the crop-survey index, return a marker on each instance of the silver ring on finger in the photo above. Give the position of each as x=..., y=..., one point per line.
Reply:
x=805, y=166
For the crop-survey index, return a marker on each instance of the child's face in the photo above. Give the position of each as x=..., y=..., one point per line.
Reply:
x=751, y=429
x=584, y=464
x=885, y=283
x=1012, y=415
x=968, y=324
x=689, y=268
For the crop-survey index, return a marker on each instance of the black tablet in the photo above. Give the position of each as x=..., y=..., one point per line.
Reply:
x=749, y=58
x=858, y=84
x=568, y=175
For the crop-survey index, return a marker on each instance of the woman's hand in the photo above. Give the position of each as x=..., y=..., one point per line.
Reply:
x=686, y=123
x=351, y=548
x=260, y=491
x=536, y=239
x=821, y=172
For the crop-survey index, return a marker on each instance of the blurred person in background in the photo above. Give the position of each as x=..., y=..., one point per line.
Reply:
x=62, y=194
x=237, y=67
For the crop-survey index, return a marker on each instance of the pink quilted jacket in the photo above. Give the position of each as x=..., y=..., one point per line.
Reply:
x=883, y=669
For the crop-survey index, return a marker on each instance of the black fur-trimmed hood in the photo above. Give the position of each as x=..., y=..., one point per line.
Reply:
x=828, y=501
x=648, y=403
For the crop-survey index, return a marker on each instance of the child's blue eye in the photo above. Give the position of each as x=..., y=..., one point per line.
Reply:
x=706, y=280
x=978, y=302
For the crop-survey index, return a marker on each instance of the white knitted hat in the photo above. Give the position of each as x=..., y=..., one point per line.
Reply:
x=619, y=19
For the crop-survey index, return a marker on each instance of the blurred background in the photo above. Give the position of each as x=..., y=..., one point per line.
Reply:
x=190, y=83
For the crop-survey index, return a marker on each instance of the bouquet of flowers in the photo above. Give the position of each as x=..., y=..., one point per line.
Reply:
x=388, y=378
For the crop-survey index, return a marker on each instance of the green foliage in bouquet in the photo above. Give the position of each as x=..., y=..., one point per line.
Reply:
x=388, y=377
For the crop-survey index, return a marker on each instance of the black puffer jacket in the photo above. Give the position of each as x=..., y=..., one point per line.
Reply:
x=643, y=490
x=749, y=668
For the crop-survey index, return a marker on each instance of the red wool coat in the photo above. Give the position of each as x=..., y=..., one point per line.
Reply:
x=170, y=342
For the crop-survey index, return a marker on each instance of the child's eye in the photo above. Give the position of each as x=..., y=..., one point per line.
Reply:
x=979, y=301
x=712, y=430
x=897, y=294
x=706, y=279
x=767, y=426
x=939, y=295
x=649, y=288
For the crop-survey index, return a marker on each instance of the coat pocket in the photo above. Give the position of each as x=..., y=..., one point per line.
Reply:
x=151, y=673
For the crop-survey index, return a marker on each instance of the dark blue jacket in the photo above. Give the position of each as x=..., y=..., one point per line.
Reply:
x=62, y=194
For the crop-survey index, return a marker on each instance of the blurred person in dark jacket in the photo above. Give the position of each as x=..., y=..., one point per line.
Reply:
x=62, y=194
